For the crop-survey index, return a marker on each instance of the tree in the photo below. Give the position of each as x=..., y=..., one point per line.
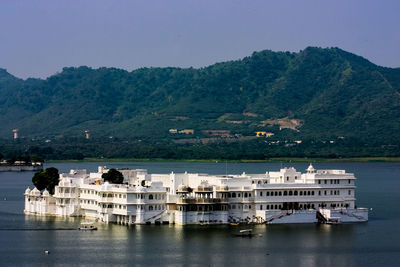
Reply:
x=46, y=179
x=113, y=176
x=36, y=158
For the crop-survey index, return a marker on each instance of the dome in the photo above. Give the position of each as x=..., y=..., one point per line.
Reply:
x=27, y=191
x=46, y=193
x=310, y=168
x=35, y=192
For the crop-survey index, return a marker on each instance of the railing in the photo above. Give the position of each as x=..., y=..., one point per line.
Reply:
x=201, y=200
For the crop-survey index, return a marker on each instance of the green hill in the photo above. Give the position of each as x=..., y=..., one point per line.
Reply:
x=316, y=94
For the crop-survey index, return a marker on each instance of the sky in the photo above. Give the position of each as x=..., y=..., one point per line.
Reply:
x=40, y=37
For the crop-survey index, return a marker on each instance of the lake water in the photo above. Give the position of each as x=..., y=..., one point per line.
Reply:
x=23, y=238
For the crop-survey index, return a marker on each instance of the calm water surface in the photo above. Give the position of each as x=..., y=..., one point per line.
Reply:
x=23, y=239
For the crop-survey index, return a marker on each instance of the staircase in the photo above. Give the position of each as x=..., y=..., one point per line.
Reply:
x=155, y=217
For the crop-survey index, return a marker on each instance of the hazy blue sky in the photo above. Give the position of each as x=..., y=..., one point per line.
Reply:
x=38, y=38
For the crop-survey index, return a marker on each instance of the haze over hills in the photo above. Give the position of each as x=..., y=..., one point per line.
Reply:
x=317, y=93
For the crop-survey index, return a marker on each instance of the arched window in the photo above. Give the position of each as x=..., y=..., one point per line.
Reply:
x=233, y=194
x=267, y=207
x=295, y=193
x=245, y=194
x=285, y=193
x=261, y=207
x=267, y=194
x=280, y=193
x=259, y=182
x=290, y=193
x=229, y=194
x=260, y=193
x=150, y=197
x=150, y=207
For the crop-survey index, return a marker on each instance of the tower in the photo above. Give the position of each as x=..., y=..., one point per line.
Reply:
x=15, y=131
x=87, y=134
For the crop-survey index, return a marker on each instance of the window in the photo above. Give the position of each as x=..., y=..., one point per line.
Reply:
x=287, y=178
x=349, y=192
x=349, y=180
x=150, y=197
x=267, y=194
x=261, y=207
x=285, y=193
x=325, y=181
x=245, y=194
x=261, y=194
x=290, y=193
x=233, y=194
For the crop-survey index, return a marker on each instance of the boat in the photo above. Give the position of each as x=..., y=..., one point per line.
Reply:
x=87, y=226
x=245, y=233
x=234, y=224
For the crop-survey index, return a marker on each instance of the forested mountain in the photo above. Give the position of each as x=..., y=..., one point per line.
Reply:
x=313, y=94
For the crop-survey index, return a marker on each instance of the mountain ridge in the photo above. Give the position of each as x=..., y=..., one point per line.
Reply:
x=333, y=92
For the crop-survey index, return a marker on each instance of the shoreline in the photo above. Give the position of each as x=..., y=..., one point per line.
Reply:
x=306, y=160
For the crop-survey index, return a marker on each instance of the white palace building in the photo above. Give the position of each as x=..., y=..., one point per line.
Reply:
x=286, y=196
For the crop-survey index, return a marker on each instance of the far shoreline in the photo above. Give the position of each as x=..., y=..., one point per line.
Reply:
x=283, y=159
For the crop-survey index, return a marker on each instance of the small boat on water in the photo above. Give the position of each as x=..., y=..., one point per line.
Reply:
x=87, y=226
x=245, y=233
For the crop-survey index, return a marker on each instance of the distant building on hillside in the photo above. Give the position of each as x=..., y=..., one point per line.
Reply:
x=264, y=134
x=15, y=132
x=186, y=131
